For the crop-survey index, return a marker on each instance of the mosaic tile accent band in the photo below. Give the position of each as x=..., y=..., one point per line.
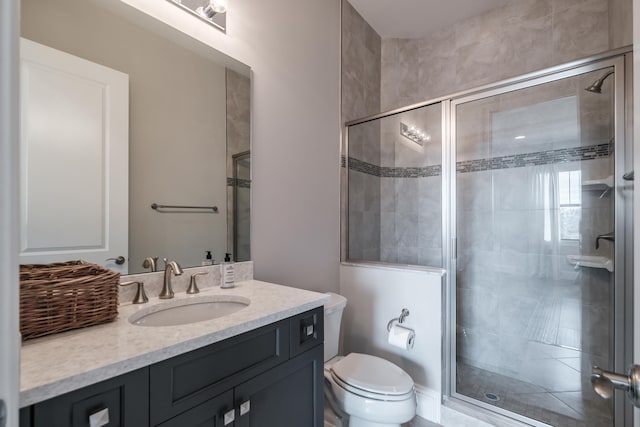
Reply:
x=242, y=183
x=563, y=155
x=539, y=158
x=393, y=172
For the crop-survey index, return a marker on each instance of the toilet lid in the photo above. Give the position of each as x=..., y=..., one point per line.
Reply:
x=373, y=374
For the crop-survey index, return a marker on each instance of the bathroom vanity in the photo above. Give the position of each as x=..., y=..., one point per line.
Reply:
x=260, y=366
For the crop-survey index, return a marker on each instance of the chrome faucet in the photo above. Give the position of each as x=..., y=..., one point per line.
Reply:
x=608, y=236
x=169, y=267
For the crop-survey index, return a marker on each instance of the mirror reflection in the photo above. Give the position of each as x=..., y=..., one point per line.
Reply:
x=188, y=116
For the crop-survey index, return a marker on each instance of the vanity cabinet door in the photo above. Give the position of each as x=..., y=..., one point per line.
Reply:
x=210, y=414
x=118, y=402
x=186, y=381
x=288, y=395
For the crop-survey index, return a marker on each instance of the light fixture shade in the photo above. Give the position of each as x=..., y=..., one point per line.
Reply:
x=214, y=7
x=218, y=6
x=211, y=11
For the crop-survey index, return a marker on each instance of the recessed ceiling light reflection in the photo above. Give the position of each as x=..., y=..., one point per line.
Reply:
x=520, y=137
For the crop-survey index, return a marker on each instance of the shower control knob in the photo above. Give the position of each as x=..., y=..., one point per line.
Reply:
x=604, y=383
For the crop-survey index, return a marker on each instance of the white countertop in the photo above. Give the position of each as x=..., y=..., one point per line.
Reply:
x=56, y=364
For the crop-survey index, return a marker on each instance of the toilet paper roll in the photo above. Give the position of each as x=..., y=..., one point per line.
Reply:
x=401, y=337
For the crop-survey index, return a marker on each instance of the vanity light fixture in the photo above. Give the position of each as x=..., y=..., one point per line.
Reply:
x=210, y=11
x=414, y=134
x=214, y=7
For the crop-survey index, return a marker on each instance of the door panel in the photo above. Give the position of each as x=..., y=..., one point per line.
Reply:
x=74, y=123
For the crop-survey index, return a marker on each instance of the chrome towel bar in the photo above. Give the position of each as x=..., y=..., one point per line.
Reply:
x=156, y=207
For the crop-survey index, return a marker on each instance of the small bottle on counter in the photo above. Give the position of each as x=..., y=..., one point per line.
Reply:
x=228, y=279
x=208, y=259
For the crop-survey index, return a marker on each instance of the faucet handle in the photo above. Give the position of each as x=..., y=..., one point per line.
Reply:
x=151, y=263
x=141, y=296
x=193, y=287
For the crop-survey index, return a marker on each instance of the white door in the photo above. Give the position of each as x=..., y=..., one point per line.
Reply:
x=74, y=134
x=9, y=336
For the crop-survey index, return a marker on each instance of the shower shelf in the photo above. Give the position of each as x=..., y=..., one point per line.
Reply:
x=603, y=184
x=591, y=261
x=598, y=184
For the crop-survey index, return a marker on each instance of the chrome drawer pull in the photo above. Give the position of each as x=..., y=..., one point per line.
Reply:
x=245, y=407
x=100, y=418
x=229, y=417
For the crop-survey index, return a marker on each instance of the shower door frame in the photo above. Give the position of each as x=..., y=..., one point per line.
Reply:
x=621, y=61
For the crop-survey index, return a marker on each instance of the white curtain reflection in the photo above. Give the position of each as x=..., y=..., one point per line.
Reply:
x=545, y=239
x=556, y=220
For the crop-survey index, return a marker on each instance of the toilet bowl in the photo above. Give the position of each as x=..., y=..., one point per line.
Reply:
x=372, y=391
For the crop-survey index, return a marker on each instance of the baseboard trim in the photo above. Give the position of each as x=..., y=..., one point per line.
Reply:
x=428, y=403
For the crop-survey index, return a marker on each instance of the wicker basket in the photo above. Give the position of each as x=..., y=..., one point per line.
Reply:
x=66, y=295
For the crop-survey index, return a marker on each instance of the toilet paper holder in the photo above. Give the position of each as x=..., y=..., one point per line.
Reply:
x=403, y=315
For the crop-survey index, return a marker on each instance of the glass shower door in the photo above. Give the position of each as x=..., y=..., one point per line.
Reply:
x=534, y=211
x=242, y=206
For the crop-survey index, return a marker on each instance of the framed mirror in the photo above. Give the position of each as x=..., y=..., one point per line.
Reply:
x=188, y=115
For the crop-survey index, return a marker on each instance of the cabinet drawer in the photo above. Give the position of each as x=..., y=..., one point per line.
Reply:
x=116, y=402
x=307, y=330
x=185, y=381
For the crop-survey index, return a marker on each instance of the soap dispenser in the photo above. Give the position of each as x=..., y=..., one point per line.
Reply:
x=208, y=260
x=228, y=279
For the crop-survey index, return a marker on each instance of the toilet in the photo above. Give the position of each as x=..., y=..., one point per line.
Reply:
x=372, y=391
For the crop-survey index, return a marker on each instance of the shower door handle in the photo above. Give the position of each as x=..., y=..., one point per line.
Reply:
x=605, y=382
x=628, y=176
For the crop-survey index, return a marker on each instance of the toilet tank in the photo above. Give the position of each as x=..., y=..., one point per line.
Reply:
x=332, y=320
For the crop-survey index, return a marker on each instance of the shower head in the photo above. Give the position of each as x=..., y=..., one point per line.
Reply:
x=596, y=87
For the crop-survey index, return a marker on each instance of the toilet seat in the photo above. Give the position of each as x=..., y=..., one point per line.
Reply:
x=372, y=377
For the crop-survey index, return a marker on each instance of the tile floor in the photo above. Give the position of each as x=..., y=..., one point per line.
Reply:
x=420, y=422
x=546, y=396
x=331, y=421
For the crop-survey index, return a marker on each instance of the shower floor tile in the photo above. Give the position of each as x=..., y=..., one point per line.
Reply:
x=580, y=408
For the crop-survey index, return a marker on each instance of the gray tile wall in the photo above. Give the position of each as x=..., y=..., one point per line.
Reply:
x=361, y=50
x=521, y=37
x=395, y=190
x=411, y=227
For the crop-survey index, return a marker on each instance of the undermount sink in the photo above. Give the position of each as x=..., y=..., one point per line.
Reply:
x=189, y=310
